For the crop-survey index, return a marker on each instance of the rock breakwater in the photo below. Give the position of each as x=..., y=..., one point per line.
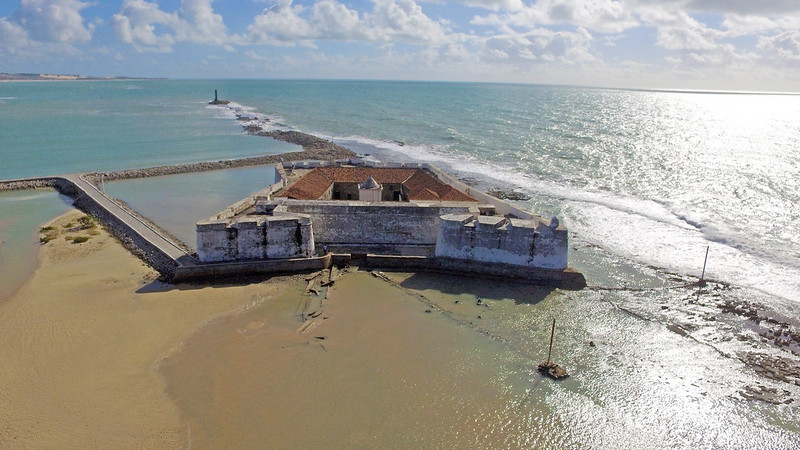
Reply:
x=314, y=148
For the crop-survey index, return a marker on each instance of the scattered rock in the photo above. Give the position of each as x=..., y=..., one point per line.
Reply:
x=552, y=370
x=503, y=194
x=766, y=394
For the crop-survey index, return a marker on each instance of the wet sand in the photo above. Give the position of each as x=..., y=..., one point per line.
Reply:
x=80, y=343
x=374, y=370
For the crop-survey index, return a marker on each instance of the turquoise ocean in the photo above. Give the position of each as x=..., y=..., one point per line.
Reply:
x=644, y=180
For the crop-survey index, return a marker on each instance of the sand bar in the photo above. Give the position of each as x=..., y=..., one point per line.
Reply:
x=80, y=343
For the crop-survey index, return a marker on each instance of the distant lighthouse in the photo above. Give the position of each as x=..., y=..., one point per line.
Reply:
x=217, y=101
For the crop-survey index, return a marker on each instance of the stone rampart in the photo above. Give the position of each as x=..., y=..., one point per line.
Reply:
x=499, y=240
x=255, y=237
x=381, y=225
x=249, y=268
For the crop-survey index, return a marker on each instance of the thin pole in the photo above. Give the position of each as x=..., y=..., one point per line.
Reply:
x=703, y=275
x=552, y=332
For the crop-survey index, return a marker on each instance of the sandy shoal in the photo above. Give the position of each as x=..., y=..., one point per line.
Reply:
x=80, y=343
x=377, y=368
x=95, y=353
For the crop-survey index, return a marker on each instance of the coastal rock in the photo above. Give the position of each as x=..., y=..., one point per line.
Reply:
x=504, y=194
x=552, y=370
x=766, y=394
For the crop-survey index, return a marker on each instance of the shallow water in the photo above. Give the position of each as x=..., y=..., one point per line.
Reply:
x=21, y=215
x=178, y=202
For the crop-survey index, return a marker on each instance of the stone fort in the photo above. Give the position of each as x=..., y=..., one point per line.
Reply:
x=370, y=208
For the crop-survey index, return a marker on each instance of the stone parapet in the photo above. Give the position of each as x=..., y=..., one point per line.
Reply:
x=500, y=240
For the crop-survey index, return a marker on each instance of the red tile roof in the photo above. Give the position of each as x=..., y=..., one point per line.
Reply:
x=420, y=184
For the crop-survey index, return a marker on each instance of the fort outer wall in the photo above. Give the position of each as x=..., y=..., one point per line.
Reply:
x=261, y=237
x=365, y=227
x=233, y=269
x=499, y=240
x=564, y=279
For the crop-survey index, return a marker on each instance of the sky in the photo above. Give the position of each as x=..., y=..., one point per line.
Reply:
x=745, y=45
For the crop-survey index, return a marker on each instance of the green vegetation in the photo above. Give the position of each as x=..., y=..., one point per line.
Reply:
x=87, y=222
x=84, y=223
x=47, y=234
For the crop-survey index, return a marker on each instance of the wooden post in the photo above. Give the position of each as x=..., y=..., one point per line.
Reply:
x=552, y=332
x=703, y=275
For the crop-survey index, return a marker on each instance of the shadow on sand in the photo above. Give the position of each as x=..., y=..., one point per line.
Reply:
x=215, y=283
x=485, y=288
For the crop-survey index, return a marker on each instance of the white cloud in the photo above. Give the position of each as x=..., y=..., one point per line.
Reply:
x=539, y=46
x=334, y=20
x=676, y=30
x=604, y=16
x=738, y=25
x=755, y=7
x=495, y=5
x=389, y=21
x=199, y=23
x=280, y=24
x=404, y=20
x=44, y=27
x=13, y=38
x=147, y=27
x=54, y=21
x=136, y=22
x=785, y=46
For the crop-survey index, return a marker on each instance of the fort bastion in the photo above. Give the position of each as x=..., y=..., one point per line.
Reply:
x=361, y=207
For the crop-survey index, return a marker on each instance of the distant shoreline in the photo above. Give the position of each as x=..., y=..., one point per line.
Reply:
x=64, y=77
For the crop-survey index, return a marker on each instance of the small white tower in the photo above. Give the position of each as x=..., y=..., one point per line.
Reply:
x=370, y=190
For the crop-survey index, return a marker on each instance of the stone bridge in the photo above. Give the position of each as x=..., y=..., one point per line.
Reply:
x=139, y=236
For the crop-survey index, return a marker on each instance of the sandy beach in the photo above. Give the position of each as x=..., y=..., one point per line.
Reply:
x=96, y=353
x=81, y=342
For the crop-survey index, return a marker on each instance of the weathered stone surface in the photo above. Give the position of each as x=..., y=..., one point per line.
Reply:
x=552, y=370
x=495, y=239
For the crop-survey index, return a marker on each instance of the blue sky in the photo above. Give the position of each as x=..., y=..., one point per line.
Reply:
x=672, y=44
